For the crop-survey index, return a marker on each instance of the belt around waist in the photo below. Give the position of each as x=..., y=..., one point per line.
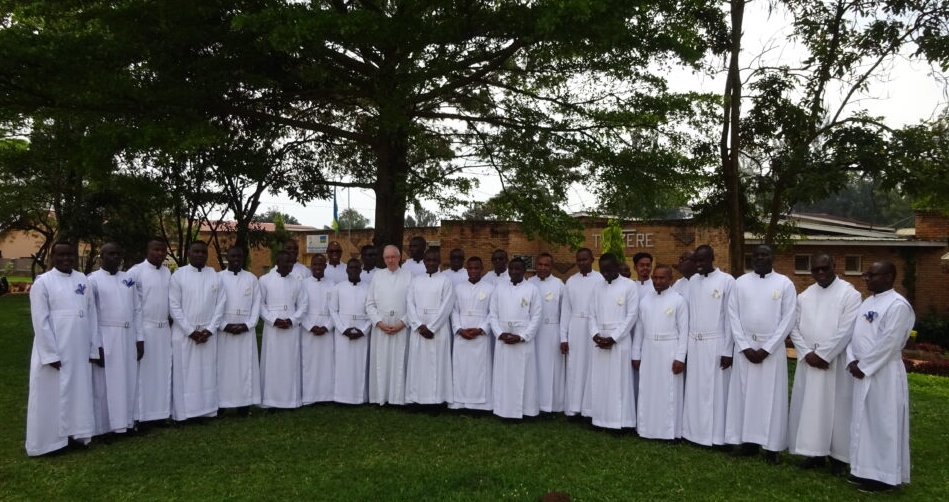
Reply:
x=237, y=312
x=354, y=317
x=582, y=315
x=610, y=325
x=154, y=323
x=114, y=323
x=705, y=336
x=660, y=337
x=757, y=338
x=513, y=324
x=277, y=307
x=429, y=311
x=68, y=312
x=474, y=313
x=552, y=321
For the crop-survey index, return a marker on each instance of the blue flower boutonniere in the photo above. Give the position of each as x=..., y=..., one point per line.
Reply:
x=870, y=316
x=81, y=289
x=128, y=282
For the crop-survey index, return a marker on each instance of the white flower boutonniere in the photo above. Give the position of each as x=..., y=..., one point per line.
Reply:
x=776, y=295
x=716, y=294
x=549, y=296
x=246, y=291
x=524, y=302
x=481, y=296
x=214, y=287
x=620, y=300
x=670, y=311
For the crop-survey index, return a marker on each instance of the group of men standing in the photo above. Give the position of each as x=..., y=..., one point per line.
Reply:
x=702, y=359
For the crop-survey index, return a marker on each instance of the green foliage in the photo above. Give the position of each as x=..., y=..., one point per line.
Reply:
x=399, y=97
x=351, y=219
x=270, y=216
x=278, y=238
x=932, y=328
x=613, y=241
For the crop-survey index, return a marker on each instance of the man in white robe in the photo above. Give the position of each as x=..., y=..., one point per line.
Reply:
x=65, y=340
x=456, y=270
x=298, y=270
x=386, y=307
x=819, y=422
x=761, y=312
x=473, y=349
x=415, y=264
x=614, y=309
x=575, y=331
x=551, y=362
x=238, y=365
x=152, y=278
x=515, y=317
x=687, y=269
x=352, y=322
x=317, y=347
x=119, y=314
x=369, y=256
x=196, y=300
x=709, y=352
x=659, y=352
x=879, y=434
x=642, y=262
x=283, y=304
x=430, y=300
x=498, y=273
x=335, y=268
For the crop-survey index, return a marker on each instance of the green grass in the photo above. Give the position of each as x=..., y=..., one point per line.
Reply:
x=335, y=452
x=18, y=278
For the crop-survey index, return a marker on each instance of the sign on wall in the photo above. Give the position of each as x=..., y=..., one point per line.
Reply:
x=317, y=243
x=632, y=239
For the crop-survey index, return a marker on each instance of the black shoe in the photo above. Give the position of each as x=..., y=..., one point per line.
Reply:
x=746, y=450
x=854, y=480
x=243, y=411
x=874, y=486
x=837, y=467
x=725, y=448
x=772, y=458
x=813, y=462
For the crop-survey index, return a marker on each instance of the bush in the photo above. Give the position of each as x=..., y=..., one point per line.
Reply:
x=933, y=329
x=930, y=347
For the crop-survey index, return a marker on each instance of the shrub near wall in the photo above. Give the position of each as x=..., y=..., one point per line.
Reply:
x=933, y=329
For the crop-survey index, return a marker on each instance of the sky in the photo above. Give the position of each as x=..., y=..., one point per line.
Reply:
x=909, y=93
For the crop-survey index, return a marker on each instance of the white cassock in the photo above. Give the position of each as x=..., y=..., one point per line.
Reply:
x=614, y=309
x=118, y=304
x=365, y=276
x=64, y=329
x=196, y=300
x=431, y=299
x=416, y=268
x=662, y=336
x=348, y=309
x=317, y=352
x=761, y=313
x=153, y=401
x=298, y=271
x=515, y=308
x=819, y=422
x=471, y=359
x=280, y=362
x=238, y=366
x=457, y=276
x=335, y=273
x=575, y=329
x=681, y=286
x=385, y=302
x=879, y=437
x=492, y=277
x=706, y=383
x=551, y=363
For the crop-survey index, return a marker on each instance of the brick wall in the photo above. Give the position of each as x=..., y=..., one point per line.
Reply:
x=931, y=226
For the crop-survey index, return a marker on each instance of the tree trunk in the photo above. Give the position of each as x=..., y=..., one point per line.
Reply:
x=731, y=147
x=390, y=189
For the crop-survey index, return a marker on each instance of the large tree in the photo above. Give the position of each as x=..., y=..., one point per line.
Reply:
x=403, y=96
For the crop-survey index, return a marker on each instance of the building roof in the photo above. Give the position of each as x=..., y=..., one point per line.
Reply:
x=827, y=230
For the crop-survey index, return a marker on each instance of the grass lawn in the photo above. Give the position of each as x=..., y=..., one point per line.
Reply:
x=17, y=278
x=335, y=452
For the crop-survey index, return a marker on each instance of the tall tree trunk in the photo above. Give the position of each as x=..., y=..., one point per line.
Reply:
x=731, y=147
x=391, y=190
